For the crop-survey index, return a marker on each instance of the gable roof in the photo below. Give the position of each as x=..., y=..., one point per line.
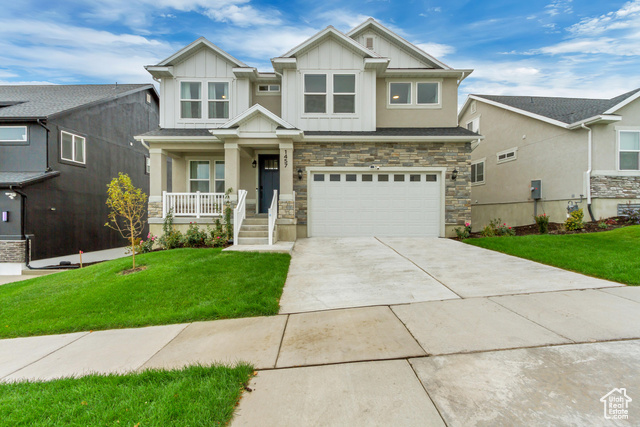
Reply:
x=556, y=110
x=43, y=101
x=256, y=110
x=193, y=47
x=390, y=35
x=330, y=31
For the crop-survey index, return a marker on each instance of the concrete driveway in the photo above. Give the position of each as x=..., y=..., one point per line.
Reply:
x=330, y=273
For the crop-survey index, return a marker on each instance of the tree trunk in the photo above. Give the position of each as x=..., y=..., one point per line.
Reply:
x=133, y=252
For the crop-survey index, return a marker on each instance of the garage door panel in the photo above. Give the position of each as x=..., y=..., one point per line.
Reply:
x=374, y=208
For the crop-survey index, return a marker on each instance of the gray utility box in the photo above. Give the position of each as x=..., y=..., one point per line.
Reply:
x=536, y=189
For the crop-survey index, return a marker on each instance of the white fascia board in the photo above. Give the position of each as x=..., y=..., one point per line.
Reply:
x=426, y=72
x=196, y=45
x=378, y=64
x=519, y=111
x=160, y=72
x=176, y=138
x=384, y=30
x=246, y=73
x=365, y=138
x=327, y=32
x=295, y=134
x=623, y=103
x=225, y=133
x=280, y=64
x=599, y=119
x=257, y=109
x=466, y=104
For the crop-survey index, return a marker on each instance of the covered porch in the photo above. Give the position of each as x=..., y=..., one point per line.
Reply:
x=248, y=161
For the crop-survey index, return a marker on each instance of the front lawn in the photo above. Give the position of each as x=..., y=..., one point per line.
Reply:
x=194, y=396
x=180, y=285
x=612, y=255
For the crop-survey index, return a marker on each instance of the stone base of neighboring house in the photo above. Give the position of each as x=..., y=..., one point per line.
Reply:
x=521, y=213
x=615, y=187
x=12, y=254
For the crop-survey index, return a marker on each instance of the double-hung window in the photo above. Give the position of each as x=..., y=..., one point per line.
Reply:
x=219, y=176
x=15, y=134
x=72, y=147
x=190, y=100
x=199, y=176
x=477, y=172
x=629, y=150
x=218, y=100
x=344, y=93
x=315, y=93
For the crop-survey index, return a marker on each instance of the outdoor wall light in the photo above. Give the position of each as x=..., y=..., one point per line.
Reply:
x=11, y=194
x=454, y=174
x=254, y=164
x=299, y=174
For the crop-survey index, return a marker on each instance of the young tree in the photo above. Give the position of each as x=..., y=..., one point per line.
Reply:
x=128, y=205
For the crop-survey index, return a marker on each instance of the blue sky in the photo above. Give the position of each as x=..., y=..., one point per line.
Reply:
x=553, y=47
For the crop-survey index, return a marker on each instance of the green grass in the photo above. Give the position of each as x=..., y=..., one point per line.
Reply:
x=612, y=255
x=181, y=285
x=194, y=396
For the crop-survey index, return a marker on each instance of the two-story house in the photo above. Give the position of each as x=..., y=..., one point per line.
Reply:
x=352, y=135
x=60, y=145
x=542, y=153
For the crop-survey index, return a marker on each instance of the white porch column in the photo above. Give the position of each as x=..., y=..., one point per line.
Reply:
x=232, y=168
x=158, y=177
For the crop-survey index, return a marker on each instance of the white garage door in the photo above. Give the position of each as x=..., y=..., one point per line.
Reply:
x=343, y=204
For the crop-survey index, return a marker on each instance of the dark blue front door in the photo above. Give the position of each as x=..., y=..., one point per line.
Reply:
x=269, y=179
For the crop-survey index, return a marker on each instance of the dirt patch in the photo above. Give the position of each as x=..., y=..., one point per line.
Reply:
x=132, y=270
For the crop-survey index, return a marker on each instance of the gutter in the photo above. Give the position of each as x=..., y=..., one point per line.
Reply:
x=48, y=169
x=589, y=167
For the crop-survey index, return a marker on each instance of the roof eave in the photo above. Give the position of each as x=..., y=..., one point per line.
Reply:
x=46, y=176
x=388, y=138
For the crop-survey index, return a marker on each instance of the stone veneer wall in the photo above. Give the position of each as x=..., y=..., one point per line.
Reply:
x=286, y=209
x=12, y=250
x=615, y=187
x=452, y=155
x=155, y=210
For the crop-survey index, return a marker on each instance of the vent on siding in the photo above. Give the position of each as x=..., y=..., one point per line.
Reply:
x=369, y=42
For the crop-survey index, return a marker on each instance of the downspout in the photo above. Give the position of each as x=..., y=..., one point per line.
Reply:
x=48, y=169
x=588, y=174
x=24, y=236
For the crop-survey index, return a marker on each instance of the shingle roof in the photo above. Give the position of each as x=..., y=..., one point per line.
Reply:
x=450, y=131
x=169, y=132
x=20, y=179
x=566, y=110
x=41, y=101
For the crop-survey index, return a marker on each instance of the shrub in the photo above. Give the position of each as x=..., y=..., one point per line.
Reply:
x=499, y=228
x=575, y=220
x=194, y=237
x=216, y=238
x=488, y=231
x=632, y=214
x=171, y=238
x=543, y=223
x=603, y=225
x=146, y=246
x=464, y=233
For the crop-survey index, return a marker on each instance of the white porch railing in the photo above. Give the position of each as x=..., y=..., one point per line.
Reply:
x=273, y=215
x=193, y=204
x=239, y=213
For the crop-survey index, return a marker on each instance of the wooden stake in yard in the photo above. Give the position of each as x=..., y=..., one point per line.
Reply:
x=80, y=259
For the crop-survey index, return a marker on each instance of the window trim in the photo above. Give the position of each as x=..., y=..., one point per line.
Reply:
x=414, y=94
x=16, y=141
x=618, y=150
x=228, y=101
x=438, y=91
x=204, y=99
x=268, y=92
x=147, y=165
x=73, y=148
x=484, y=172
x=476, y=122
x=334, y=93
x=180, y=99
x=513, y=150
x=329, y=94
x=216, y=180
x=190, y=180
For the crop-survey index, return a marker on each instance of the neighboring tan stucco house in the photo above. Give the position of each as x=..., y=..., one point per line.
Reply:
x=584, y=151
x=352, y=135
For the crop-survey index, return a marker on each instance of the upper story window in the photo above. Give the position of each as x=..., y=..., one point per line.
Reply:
x=315, y=93
x=190, y=100
x=629, y=150
x=13, y=134
x=507, y=155
x=344, y=93
x=474, y=125
x=268, y=88
x=414, y=94
x=218, y=100
x=72, y=147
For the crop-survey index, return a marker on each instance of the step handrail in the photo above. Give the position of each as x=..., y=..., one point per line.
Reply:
x=239, y=214
x=273, y=215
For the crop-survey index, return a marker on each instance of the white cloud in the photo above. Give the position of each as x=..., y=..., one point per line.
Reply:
x=243, y=16
x=558, y=7
x=342, y=19
x=436, y=49
x=263, y=42
x=628, y=16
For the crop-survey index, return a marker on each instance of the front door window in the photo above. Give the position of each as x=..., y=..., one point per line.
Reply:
x=269, y=180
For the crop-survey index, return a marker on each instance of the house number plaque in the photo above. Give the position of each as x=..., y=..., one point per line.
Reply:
x=286, y=158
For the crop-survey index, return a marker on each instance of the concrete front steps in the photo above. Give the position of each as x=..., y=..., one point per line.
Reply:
x=254, y=231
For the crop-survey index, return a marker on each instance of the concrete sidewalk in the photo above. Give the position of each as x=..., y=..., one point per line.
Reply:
x=400, y=364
